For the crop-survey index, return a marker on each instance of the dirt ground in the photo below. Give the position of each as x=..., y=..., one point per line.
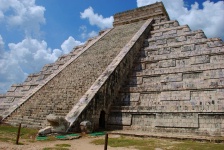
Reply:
x=83, y=143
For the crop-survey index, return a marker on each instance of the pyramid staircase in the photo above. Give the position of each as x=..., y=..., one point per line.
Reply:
x=176, y=85
x=18, y=94
x=59, y=86
x=18, y=91
x=147, y=74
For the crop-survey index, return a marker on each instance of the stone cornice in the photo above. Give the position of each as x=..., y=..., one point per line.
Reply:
x=142, y=13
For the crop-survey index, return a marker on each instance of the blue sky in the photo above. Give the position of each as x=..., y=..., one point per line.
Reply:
x=37, y=32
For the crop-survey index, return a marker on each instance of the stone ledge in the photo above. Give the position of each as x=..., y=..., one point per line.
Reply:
x=218, y=42
x=162, y=23
x=142, y=13
x=184, y=54
x=172, y=28
x=194, y=68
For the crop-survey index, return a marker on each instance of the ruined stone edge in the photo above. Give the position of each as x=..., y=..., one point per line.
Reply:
x=89, y=95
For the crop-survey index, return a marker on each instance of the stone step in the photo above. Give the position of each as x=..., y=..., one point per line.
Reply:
x=9, y=100
x=23, y=87
x=178, y=53
x=161, y=19
x=181, y=69
x=57, y=90
x=184, y=62
x=166, y=108
x=211, y=42
x=32, y=78
x=64, y=57
x=60, y=63
x=196, y=84
x=15, y=94
x=165, y=25
x=176, y=77
x=175, y=39
x=78, y=49
x=169, y=32
x=3, y=107
x=46, y=66
x=44, y=73
x=53, y=66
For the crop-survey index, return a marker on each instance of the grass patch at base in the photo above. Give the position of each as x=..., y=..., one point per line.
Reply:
x=9, y=133
x=55, y=148
x=63, y=145
x=58, y=147
x=153, y=143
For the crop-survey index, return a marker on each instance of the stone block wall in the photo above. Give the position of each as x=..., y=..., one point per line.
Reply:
x=155, y=10
x=175, y=86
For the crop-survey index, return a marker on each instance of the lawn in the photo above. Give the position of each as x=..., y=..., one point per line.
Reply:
x=9, y=134
x=164, y=144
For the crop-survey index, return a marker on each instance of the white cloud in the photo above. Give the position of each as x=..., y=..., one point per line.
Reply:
x=84, y=33
x=92, y=34
x=69, y=44
x=1, y=16
x=10, y=73
x=209, y=18
x=31, y=54
x=83, y=29
x=28, y=56
x=24, y=14
x=96, y=19
x=1, y=46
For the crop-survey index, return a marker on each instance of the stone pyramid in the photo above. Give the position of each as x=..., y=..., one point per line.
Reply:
x=147, y=73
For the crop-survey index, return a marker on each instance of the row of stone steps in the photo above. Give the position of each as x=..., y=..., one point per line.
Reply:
x=63, y=91
x=176, y=69
x=176, y=107
x=174, y=40
x=179, y=54
x=165, y=25
x=18, y=91
x=169, y=32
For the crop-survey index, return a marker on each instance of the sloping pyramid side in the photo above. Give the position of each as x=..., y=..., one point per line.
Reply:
x=176, y=86
x=19, y=93
x=65, y=89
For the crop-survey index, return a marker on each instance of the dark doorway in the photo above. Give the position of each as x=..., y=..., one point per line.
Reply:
x=102, y=120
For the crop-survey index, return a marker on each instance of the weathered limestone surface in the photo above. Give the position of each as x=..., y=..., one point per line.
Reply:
x=98, y=99
x=176, y=84
x=57, y=125
x=64, y=90
x=18, y=93
x=156, y=11
x=161, y=77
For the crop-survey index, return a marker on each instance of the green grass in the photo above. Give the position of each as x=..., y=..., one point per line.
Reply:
x=63, y=145
x=165, y=144
x=9, y=133
x=55, y=148
x=58, y=147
